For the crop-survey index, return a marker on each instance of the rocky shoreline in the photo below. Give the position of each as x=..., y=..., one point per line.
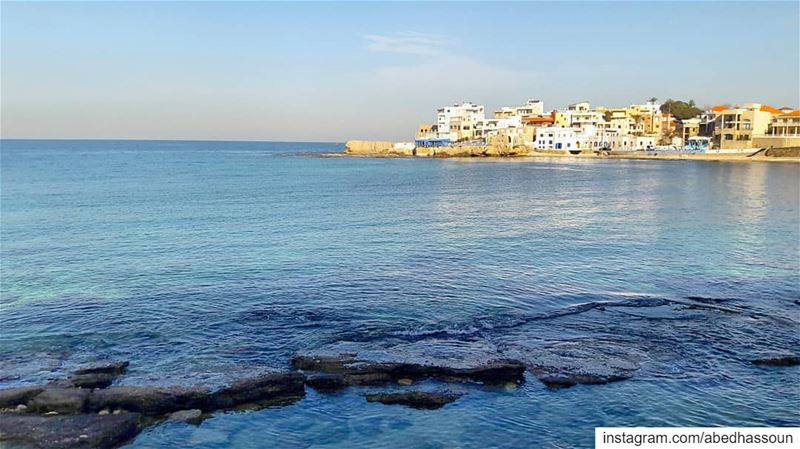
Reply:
x=87, y=410
x=389, y=149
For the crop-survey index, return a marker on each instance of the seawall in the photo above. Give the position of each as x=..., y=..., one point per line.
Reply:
x=390, y=149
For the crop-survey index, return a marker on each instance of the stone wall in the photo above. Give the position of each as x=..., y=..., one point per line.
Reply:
x=375, y=148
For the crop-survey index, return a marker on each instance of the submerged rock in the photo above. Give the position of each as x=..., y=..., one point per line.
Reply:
x=193, y=416
x=444, y=359
x=778, y=360
x=326, y=381
x=68, y=431
x=568, y=363
x=414, y=399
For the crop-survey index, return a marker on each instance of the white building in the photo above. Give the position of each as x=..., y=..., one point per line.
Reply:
x=585, y=119
x=583, y=106
x=531, y=107
x=490, y=126
x=451, y=120
x=613, y=139
x=556, y=138
x=651, y=107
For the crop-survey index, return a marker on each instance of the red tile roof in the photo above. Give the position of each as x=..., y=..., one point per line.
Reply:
x=538, y=119
x=771, y=110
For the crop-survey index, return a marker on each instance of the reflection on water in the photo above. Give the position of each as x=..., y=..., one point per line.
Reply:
x=198, y=260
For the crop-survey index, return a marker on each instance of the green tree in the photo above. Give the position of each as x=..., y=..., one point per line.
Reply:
x=682, y=110
x=653, y=99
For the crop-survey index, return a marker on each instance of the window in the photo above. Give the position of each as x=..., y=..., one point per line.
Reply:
x=728, y=136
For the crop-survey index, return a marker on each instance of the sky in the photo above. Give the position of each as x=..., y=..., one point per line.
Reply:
x=339, y=71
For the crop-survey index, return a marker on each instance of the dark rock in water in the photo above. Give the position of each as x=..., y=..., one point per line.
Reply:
x=193, y=416
x=96, y=380
x=565, y=379
x=326, y=381
x=149, y=400
x=780, y=360
x=266, y=387
x=68, y=431
x=60, y=400
x=97, y=376
x=443, y=359
x=113, y=368
x=414, y=399
x=153, y=401
x=10, y=397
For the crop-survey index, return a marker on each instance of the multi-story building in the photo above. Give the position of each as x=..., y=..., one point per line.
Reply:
x=735, y=128
x=783, y=131
x=707, y=123
x=556, y=138
x=613, y=139
x=688, y=128
x=585, y=118
x=458, y=122
x=623, y=120
x=489, y=127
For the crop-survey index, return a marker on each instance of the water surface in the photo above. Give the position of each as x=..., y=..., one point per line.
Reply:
x=200, y=260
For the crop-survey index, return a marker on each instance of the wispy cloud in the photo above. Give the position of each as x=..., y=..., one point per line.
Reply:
x=411, y=43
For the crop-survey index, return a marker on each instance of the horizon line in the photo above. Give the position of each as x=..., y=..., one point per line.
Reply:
x=133, y=139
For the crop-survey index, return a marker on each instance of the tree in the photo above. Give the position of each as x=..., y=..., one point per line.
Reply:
x=680, y=109
x=653, y=99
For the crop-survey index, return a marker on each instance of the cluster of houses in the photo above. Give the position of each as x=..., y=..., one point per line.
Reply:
x=581, y=127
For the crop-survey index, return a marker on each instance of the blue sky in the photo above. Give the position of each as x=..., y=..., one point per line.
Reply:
x=335, y=71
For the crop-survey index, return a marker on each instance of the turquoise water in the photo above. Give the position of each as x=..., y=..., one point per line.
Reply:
x=199, y=260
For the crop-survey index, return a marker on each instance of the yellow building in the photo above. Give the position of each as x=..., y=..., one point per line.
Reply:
x=562, y=119
x=688, y=128
x=623, y=120
x=426, y=131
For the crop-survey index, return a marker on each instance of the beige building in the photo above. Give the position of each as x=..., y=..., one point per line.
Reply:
x=735, y=128
x=688, y=128
x=426, y=131
x=783, y=131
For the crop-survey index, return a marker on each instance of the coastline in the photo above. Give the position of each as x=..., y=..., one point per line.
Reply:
x=355, y=148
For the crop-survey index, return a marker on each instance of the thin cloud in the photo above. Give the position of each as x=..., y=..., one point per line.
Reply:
x=411, y=43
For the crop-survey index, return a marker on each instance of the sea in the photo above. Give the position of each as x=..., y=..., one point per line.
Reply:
x=198, y=261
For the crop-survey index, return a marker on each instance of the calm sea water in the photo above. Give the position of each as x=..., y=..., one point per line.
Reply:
x=196, y=260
